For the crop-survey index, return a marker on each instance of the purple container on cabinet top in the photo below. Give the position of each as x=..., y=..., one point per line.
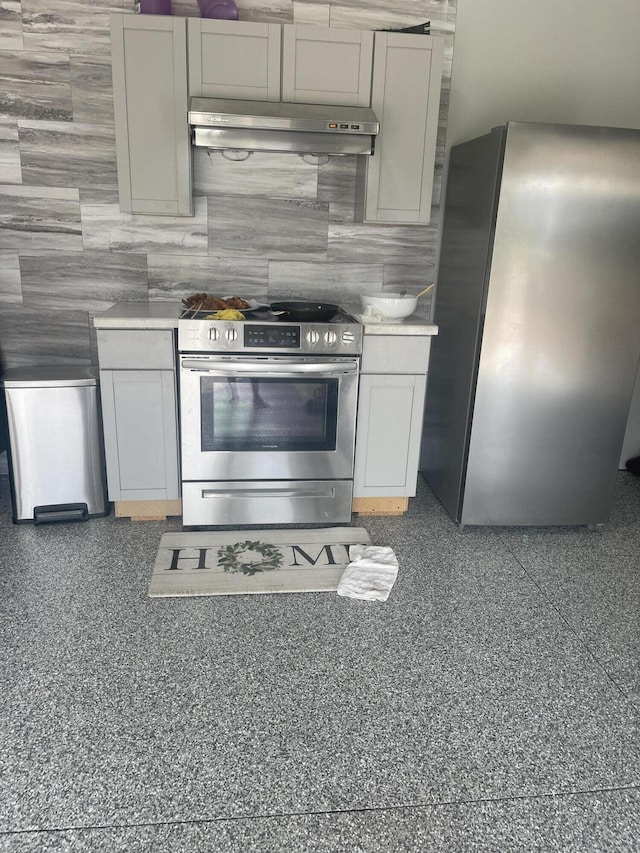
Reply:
x=222, y=9
x=155, y=7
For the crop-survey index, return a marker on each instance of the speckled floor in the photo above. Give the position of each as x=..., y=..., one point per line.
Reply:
x=491, y=704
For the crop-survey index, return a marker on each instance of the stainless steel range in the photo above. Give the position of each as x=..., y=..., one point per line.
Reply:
x=267, y=419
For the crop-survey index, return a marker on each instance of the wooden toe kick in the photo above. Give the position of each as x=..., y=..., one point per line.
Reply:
x=147, y=510
x=380, y=506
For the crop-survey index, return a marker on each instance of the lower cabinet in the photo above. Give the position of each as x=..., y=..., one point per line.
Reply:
x=139, y=410
x=390, y=410
x=138, y=388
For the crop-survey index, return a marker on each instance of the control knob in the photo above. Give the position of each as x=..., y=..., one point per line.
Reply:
x=330, y=337
x=348, y=337
x=231, y=334
x=213, y=334
x=313, y=336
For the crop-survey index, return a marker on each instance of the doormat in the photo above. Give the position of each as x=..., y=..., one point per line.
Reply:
x=253, y=562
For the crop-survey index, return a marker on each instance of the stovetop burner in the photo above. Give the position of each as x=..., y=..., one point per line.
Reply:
x=265, y=315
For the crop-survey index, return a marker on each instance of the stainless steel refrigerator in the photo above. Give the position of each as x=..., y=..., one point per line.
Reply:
x=538, y=308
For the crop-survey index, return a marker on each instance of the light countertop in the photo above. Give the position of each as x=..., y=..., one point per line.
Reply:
x=164, y=315
x=413, y=325
x=139, y=315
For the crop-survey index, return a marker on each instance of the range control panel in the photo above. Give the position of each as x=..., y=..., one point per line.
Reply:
x=253, y=336
x=271, y=335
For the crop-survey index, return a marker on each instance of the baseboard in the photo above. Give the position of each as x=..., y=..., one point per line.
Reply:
x=147, y=510
x=380, y=506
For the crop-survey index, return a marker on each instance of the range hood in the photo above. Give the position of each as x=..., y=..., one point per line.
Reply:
x=283, y=127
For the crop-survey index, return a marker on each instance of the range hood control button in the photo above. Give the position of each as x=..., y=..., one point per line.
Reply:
x=330, y=337
x=313, y=336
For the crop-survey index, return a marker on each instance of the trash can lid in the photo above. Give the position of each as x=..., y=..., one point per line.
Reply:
x=49, y=377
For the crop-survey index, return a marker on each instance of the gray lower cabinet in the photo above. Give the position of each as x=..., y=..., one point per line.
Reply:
x=390, y=410
x=153, y=147
x=139, y=410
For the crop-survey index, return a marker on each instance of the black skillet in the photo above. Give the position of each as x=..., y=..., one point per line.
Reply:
x=302, y=312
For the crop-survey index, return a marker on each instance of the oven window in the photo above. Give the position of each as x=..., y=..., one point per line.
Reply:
x=272, y=414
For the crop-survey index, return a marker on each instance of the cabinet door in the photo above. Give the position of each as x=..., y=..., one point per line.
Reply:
x=140, y=433
x=405, y=96
x=234, y=59
x=326, y=65
x=149, y=61
x=388, y=435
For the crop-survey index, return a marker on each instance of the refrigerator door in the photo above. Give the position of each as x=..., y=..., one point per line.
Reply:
x=561, y=333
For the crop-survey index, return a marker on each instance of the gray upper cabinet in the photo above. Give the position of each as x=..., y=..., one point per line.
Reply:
x=398, y=179
x=149, y=61
x=234, y=59
x=397, y=74
x=326, y=65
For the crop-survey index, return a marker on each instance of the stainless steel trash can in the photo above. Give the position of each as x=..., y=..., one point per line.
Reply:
x=56, y=455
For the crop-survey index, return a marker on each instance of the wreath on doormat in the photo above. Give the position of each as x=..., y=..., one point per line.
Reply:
x=233, y=557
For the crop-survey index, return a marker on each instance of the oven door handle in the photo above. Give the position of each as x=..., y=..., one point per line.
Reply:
x=269, y=369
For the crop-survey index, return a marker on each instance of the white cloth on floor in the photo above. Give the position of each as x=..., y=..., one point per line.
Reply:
x=370, y=574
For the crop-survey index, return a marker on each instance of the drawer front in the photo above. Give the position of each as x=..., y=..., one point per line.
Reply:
x=136, y=349
x=408, y=354
x=266, y=502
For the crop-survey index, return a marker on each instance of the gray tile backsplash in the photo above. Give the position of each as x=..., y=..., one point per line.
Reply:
x=40, y=218
x=278, y=228
x=257, y=175
x=68, y=154
x=10, y=167
x=10, y=285
x=36, y=85
x=273, y=225
x=91, y=89
x=88, y=281
x=173, y=277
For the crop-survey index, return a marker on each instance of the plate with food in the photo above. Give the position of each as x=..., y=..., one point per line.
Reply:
x=201, y=305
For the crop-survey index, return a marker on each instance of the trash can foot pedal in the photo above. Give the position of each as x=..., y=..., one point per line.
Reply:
x=60, y=512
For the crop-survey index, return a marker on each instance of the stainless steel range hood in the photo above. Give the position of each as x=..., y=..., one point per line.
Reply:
x=283, y=127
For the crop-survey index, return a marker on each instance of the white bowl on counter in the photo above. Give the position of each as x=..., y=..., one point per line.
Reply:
x=388, y=306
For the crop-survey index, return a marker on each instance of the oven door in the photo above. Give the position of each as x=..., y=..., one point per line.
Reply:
x=267, y=418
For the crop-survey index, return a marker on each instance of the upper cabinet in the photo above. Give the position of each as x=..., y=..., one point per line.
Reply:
x=324, y=65
x=153, y=147
x=405, y=96
x=269, y=62
x=397, y=74
x=234, y=59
